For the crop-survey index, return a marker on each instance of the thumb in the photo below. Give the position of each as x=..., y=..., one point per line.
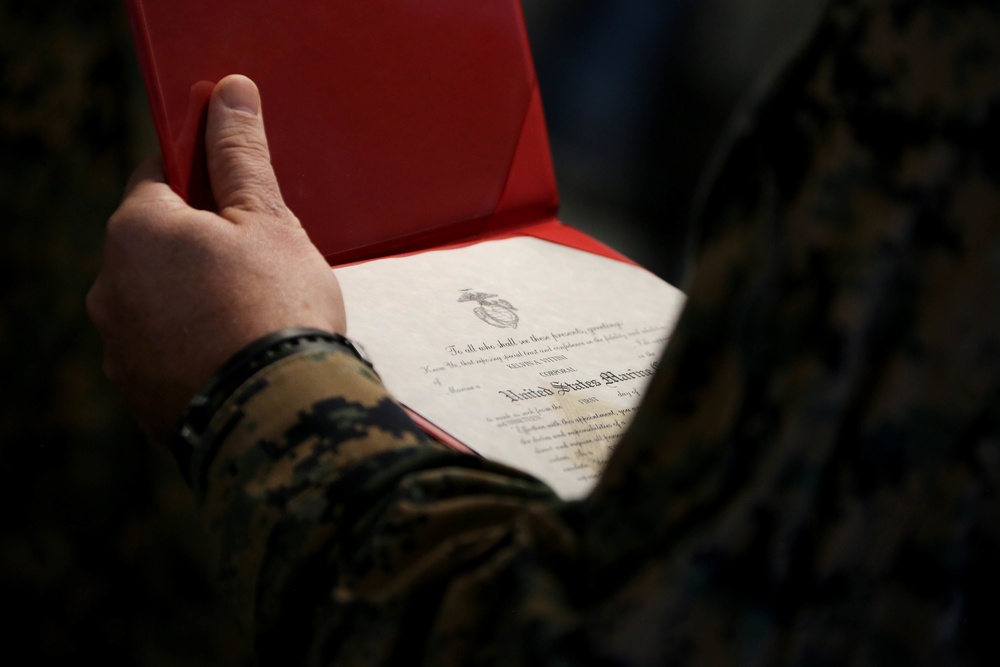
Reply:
x=239, y=163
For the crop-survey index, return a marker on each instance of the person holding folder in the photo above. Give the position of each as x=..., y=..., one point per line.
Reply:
x=812, y=475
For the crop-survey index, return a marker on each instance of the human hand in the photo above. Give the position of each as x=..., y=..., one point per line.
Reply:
x=181, y=290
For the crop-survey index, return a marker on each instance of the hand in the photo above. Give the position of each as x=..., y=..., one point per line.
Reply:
x=181, y=290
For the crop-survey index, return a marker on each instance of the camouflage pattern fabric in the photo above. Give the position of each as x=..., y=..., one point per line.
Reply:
x=813, y=475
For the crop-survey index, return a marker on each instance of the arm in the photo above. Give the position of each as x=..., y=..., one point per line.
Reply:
x=811, y=478
x=328, y=508
x=341, y=532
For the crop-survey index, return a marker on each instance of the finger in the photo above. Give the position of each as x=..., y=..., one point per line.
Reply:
x=147, y=187
x=148, y=183
x=239, y=163
x=151, y=170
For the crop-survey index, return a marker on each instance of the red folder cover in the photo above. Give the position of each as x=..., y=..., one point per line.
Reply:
x=394, y=125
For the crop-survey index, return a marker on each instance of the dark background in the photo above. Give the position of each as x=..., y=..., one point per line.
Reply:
x=101, y=554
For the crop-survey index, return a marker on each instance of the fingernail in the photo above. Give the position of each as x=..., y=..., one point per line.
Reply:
x=240, y=94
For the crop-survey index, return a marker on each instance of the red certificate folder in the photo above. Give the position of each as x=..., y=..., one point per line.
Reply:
x=394, y=125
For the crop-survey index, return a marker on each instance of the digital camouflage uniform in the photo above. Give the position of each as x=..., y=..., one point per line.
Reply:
x=812, y=477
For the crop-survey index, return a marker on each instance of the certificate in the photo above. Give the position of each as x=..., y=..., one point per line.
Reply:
x=530, y=353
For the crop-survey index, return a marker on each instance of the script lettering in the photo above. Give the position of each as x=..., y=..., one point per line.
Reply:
x=528, y=352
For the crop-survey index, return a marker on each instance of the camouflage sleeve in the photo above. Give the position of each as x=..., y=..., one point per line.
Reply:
x=336, y=522
x=812, y=477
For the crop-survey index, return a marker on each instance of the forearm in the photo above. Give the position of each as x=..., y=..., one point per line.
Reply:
x=319, y=478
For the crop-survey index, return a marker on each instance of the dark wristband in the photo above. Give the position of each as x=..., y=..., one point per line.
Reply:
x=238, y=369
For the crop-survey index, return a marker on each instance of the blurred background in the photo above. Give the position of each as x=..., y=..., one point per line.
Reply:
x=101, y=554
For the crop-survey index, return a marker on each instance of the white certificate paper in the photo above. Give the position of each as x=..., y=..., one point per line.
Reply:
x=531, y=353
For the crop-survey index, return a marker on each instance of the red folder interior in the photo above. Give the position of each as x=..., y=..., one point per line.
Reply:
x=394, y=126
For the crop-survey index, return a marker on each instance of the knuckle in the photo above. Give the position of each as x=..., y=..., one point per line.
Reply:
x=110, y=368
x=244, y=139
x=127, y=222
x=92, y=302
x=96, y=305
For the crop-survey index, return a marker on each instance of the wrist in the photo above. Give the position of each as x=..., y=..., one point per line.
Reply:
x=190, y=433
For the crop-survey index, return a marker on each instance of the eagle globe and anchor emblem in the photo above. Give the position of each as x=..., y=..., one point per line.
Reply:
x=495, y=312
